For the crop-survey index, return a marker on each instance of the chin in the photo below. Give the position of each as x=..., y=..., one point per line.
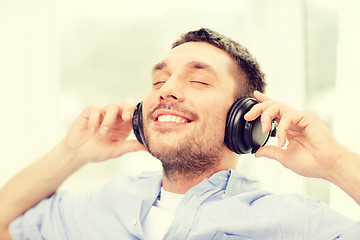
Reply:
x=165, y=143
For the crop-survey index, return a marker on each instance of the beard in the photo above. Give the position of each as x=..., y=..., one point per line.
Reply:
x=197, y=151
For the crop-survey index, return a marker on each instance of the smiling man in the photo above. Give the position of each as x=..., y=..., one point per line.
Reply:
x=193, y=88
x=198, y=195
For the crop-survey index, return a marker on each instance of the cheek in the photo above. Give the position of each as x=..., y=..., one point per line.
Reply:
x=214, y=114
x=218, y=106
x=149, y=103
x=220, y=116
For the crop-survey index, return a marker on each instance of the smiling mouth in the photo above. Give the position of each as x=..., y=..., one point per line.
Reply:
x=172, y=116
x=167, y=118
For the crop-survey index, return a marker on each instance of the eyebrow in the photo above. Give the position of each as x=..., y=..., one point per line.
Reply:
x=159, y=66
x=192, y=65
x=201, y=65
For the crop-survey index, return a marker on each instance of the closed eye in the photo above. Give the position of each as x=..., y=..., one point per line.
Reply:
x=200, y=82
x=158, y=84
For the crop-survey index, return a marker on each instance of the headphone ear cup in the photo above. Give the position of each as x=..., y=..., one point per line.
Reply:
x=242, y=136
x=235, y=125
x=137, y=123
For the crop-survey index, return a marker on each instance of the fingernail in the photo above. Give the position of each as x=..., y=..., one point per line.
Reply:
x=263, y=127
x=92, y=131
x=104, y=131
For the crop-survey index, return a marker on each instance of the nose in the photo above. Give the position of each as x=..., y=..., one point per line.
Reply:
x=172, y=89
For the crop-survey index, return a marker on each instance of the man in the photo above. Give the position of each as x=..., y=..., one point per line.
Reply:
x=198, y=196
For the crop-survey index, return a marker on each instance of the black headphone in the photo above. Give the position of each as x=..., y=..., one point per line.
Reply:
x=241, y=136
x=137, y=123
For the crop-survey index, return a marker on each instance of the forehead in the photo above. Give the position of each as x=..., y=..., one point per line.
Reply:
x=218, y=59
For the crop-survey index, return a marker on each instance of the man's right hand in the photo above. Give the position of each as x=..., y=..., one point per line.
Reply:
x=99, y=134
x=96, y=135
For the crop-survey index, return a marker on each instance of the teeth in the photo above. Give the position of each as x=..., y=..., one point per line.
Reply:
x=171, y=118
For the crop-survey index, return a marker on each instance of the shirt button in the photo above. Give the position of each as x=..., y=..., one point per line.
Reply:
x=223, y=196
x=134, y=222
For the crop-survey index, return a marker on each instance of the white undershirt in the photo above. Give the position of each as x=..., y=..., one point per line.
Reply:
x=161, y=215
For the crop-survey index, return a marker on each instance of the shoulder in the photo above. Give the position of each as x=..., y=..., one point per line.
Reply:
x=124, y=182
x=130, y=186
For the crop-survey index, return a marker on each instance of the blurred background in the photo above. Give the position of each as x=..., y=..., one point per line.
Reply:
x=56, y=57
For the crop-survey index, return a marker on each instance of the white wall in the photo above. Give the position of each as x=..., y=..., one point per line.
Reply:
x=29, y=82
x=346, y=107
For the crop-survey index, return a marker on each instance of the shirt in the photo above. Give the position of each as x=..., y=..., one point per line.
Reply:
x=225, y=206
x=161, y=215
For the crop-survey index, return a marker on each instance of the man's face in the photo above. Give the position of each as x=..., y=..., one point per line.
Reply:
x=185, y=112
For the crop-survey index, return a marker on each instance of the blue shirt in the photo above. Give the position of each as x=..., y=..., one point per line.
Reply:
x=225, y=206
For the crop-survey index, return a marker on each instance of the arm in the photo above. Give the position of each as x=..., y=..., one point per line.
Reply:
x=312, y=151
x=96, y=135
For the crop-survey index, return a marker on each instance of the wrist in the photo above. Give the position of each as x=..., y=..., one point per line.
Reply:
x=342, y=162
x=345, y=173
x=62, y=157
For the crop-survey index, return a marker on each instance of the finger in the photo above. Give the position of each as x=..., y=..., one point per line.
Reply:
x=256, y=111
x=284, y=124
x=128, y=108
x=134, y=145
x=287, y=120
x=261, y=97
x=129, y=146
x=94, y=114
x=270, y=151
x=268, y=115
x=111, y=115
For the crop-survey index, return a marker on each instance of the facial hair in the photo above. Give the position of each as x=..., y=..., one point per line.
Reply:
x=197, y=152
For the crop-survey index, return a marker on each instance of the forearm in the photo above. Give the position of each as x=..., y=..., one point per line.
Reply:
x=346, y=174
x=36, y=182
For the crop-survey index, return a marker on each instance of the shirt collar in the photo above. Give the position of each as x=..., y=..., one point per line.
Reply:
x=230, y=181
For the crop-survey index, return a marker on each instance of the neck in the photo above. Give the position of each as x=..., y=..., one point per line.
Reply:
x=181, y=182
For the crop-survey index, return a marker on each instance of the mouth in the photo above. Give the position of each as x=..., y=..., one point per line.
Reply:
x=171, y=118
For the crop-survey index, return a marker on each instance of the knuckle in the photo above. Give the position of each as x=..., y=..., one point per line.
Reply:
x=286, y=115
x=286, y=118
x=272, y=103
x=275, y=102
x=91, y=108
x=310, y=113
x=112, y=105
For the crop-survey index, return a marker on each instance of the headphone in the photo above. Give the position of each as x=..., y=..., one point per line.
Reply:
x=241, y=136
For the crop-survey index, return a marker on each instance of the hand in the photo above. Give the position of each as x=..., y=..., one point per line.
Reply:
x=312, y=151
x=99, y=134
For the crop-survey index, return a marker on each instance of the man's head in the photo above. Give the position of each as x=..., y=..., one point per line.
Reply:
x=248, y=72
x=184, y=114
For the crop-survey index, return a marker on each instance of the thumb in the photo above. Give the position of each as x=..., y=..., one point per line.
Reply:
x=130, y=146
x=270, y=151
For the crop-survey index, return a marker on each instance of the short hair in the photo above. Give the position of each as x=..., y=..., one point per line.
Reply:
x=245, y=62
